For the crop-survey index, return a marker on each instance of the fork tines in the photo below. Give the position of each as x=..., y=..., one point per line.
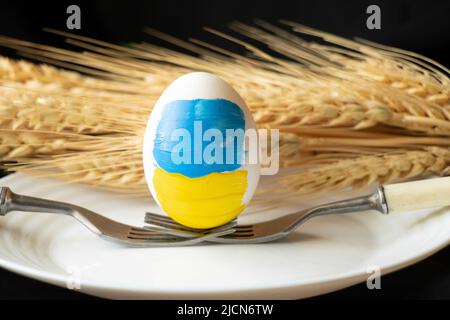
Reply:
x=175, y=228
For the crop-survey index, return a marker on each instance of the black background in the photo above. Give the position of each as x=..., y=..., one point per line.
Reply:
x=420, y=26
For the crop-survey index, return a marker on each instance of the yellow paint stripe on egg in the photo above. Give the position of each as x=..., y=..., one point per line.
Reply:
x=203, y=202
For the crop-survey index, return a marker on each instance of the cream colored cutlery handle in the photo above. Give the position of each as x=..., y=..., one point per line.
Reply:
x=429, y=193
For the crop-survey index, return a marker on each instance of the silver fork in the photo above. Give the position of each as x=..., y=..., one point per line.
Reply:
x=388, y=199
x=104, y=227
x=270, y=230
x=166, y=225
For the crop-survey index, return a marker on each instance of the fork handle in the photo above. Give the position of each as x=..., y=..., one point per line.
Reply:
x=415, y=195
x=9, y=201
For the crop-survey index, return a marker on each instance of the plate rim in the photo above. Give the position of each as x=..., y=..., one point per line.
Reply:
x=351, y=278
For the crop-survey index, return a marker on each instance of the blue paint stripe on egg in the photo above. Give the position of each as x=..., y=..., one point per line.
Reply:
x=220, y=114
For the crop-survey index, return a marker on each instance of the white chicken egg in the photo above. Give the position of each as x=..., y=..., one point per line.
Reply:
x=196, y=157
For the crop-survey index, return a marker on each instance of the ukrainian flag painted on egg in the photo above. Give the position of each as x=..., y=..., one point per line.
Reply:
x=194, y=152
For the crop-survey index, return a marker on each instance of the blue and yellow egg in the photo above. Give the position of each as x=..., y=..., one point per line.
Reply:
x=195, y=184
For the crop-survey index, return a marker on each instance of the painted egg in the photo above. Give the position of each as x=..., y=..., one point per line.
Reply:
x=196, y=151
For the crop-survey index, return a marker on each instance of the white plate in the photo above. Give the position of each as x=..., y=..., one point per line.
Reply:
x=324, y=255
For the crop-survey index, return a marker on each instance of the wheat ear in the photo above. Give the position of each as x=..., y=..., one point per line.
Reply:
x=364, y=171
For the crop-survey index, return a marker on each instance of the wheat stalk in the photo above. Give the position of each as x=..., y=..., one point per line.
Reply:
x=31, y=110
x=299, y=89
x=308, y=93
x=340, y=106
x=364, y=171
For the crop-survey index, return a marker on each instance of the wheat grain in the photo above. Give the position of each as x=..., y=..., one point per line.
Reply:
x=355, y=106
x=304, y=96
x=363, y=171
